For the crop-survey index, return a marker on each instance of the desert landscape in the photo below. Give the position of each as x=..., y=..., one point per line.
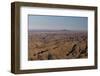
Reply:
x=57, y=44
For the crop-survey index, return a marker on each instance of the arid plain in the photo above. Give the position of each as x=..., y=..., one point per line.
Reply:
x=57, y=44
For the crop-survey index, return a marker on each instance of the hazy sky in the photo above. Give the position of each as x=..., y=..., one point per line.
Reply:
x=57, y=22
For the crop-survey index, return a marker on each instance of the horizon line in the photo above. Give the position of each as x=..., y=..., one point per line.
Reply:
x=58, y=29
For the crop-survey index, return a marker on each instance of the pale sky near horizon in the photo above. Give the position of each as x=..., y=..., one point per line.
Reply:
x=44, y=22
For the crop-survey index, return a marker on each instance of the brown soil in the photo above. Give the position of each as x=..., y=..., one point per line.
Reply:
x=57, y=45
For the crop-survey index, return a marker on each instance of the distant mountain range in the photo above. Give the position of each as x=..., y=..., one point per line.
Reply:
x=48, y=30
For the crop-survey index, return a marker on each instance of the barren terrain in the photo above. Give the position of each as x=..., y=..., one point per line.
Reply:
x=59, y=44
